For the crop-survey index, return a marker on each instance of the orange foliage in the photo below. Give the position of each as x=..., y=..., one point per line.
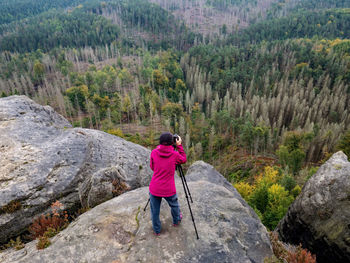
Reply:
x=57, y=220
x=290, y=255
x=277, y=247
x=300, y=255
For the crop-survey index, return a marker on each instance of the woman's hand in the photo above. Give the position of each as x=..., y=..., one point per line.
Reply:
x=178, y=141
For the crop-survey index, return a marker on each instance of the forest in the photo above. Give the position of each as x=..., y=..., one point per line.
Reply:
x=329, y=24
x=18, y=9
x=283, y=7
x=265, y=101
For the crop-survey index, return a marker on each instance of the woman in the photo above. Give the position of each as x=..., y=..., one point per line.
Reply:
x=163, y=162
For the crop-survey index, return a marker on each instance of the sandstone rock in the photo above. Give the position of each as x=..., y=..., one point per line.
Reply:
x=203, y=171
x=120, y=231
x=43, y=159
x=319, y=218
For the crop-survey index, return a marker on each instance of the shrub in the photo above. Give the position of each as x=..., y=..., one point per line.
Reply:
x=119, y=187
x=288, y=254
x=259, y=198
x=57, y=221
x=277, y=247
x=11, y=207
x=300, y=255
x=50, y=232
x=116, y=132
x=269, y=199
x=278, y=203
x=41, y=225
x=270, y=175
x=43, y=242
x=296, y=191
x=15, y=244
x=288, y=182
x=312, y=171
x=244, y=189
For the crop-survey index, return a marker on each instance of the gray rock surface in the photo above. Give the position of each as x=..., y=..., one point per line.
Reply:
x=319, y=218
x=204, y=171
x=120, y=231
x=43, y=159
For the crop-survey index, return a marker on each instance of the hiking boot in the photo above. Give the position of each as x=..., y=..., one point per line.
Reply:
x=178, y=223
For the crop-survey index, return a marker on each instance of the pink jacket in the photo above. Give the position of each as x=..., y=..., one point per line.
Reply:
x=163, y=161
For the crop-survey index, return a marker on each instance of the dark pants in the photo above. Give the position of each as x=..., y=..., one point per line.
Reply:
x=155, y=209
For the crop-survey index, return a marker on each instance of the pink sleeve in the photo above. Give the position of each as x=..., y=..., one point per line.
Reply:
x=151, y=163
x=181, y=155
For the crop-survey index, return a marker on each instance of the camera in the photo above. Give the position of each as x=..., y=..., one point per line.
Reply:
x=175, y=138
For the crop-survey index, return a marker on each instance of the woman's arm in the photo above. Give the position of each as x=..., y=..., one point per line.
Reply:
x=151, y=164
x=181, y=155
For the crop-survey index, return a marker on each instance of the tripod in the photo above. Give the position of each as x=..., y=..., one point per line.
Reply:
x=187, y=194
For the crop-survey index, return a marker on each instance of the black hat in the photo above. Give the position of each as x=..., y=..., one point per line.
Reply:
x=166, y=138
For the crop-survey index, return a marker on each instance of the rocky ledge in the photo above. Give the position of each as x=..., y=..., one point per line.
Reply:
x=120, y=231
x=44, y=159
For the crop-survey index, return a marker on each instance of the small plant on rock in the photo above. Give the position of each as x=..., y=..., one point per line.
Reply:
x=277, y=247
x=50, y=232
x=11, y=207
x=47, y=226
x=43, y=242
x=289, y=254
x=15, y=244
x=119, y=187
x=300, y=255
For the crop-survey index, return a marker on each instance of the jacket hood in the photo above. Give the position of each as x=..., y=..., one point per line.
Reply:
x=165, y=151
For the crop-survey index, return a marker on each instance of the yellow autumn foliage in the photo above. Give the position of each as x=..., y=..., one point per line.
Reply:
x=269, y=177
x=116, y=132
x=244, y=189
x=277, y=192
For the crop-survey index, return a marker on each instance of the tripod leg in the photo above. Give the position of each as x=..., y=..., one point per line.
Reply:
x=184, y=178
x=188, y=202
x=146, y=205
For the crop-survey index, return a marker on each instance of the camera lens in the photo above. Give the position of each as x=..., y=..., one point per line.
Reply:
x=175, y=138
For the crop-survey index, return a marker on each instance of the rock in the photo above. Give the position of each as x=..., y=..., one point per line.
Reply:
x=319, y=218
x=44, y=159
x=120, y=231
x=203, y=171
